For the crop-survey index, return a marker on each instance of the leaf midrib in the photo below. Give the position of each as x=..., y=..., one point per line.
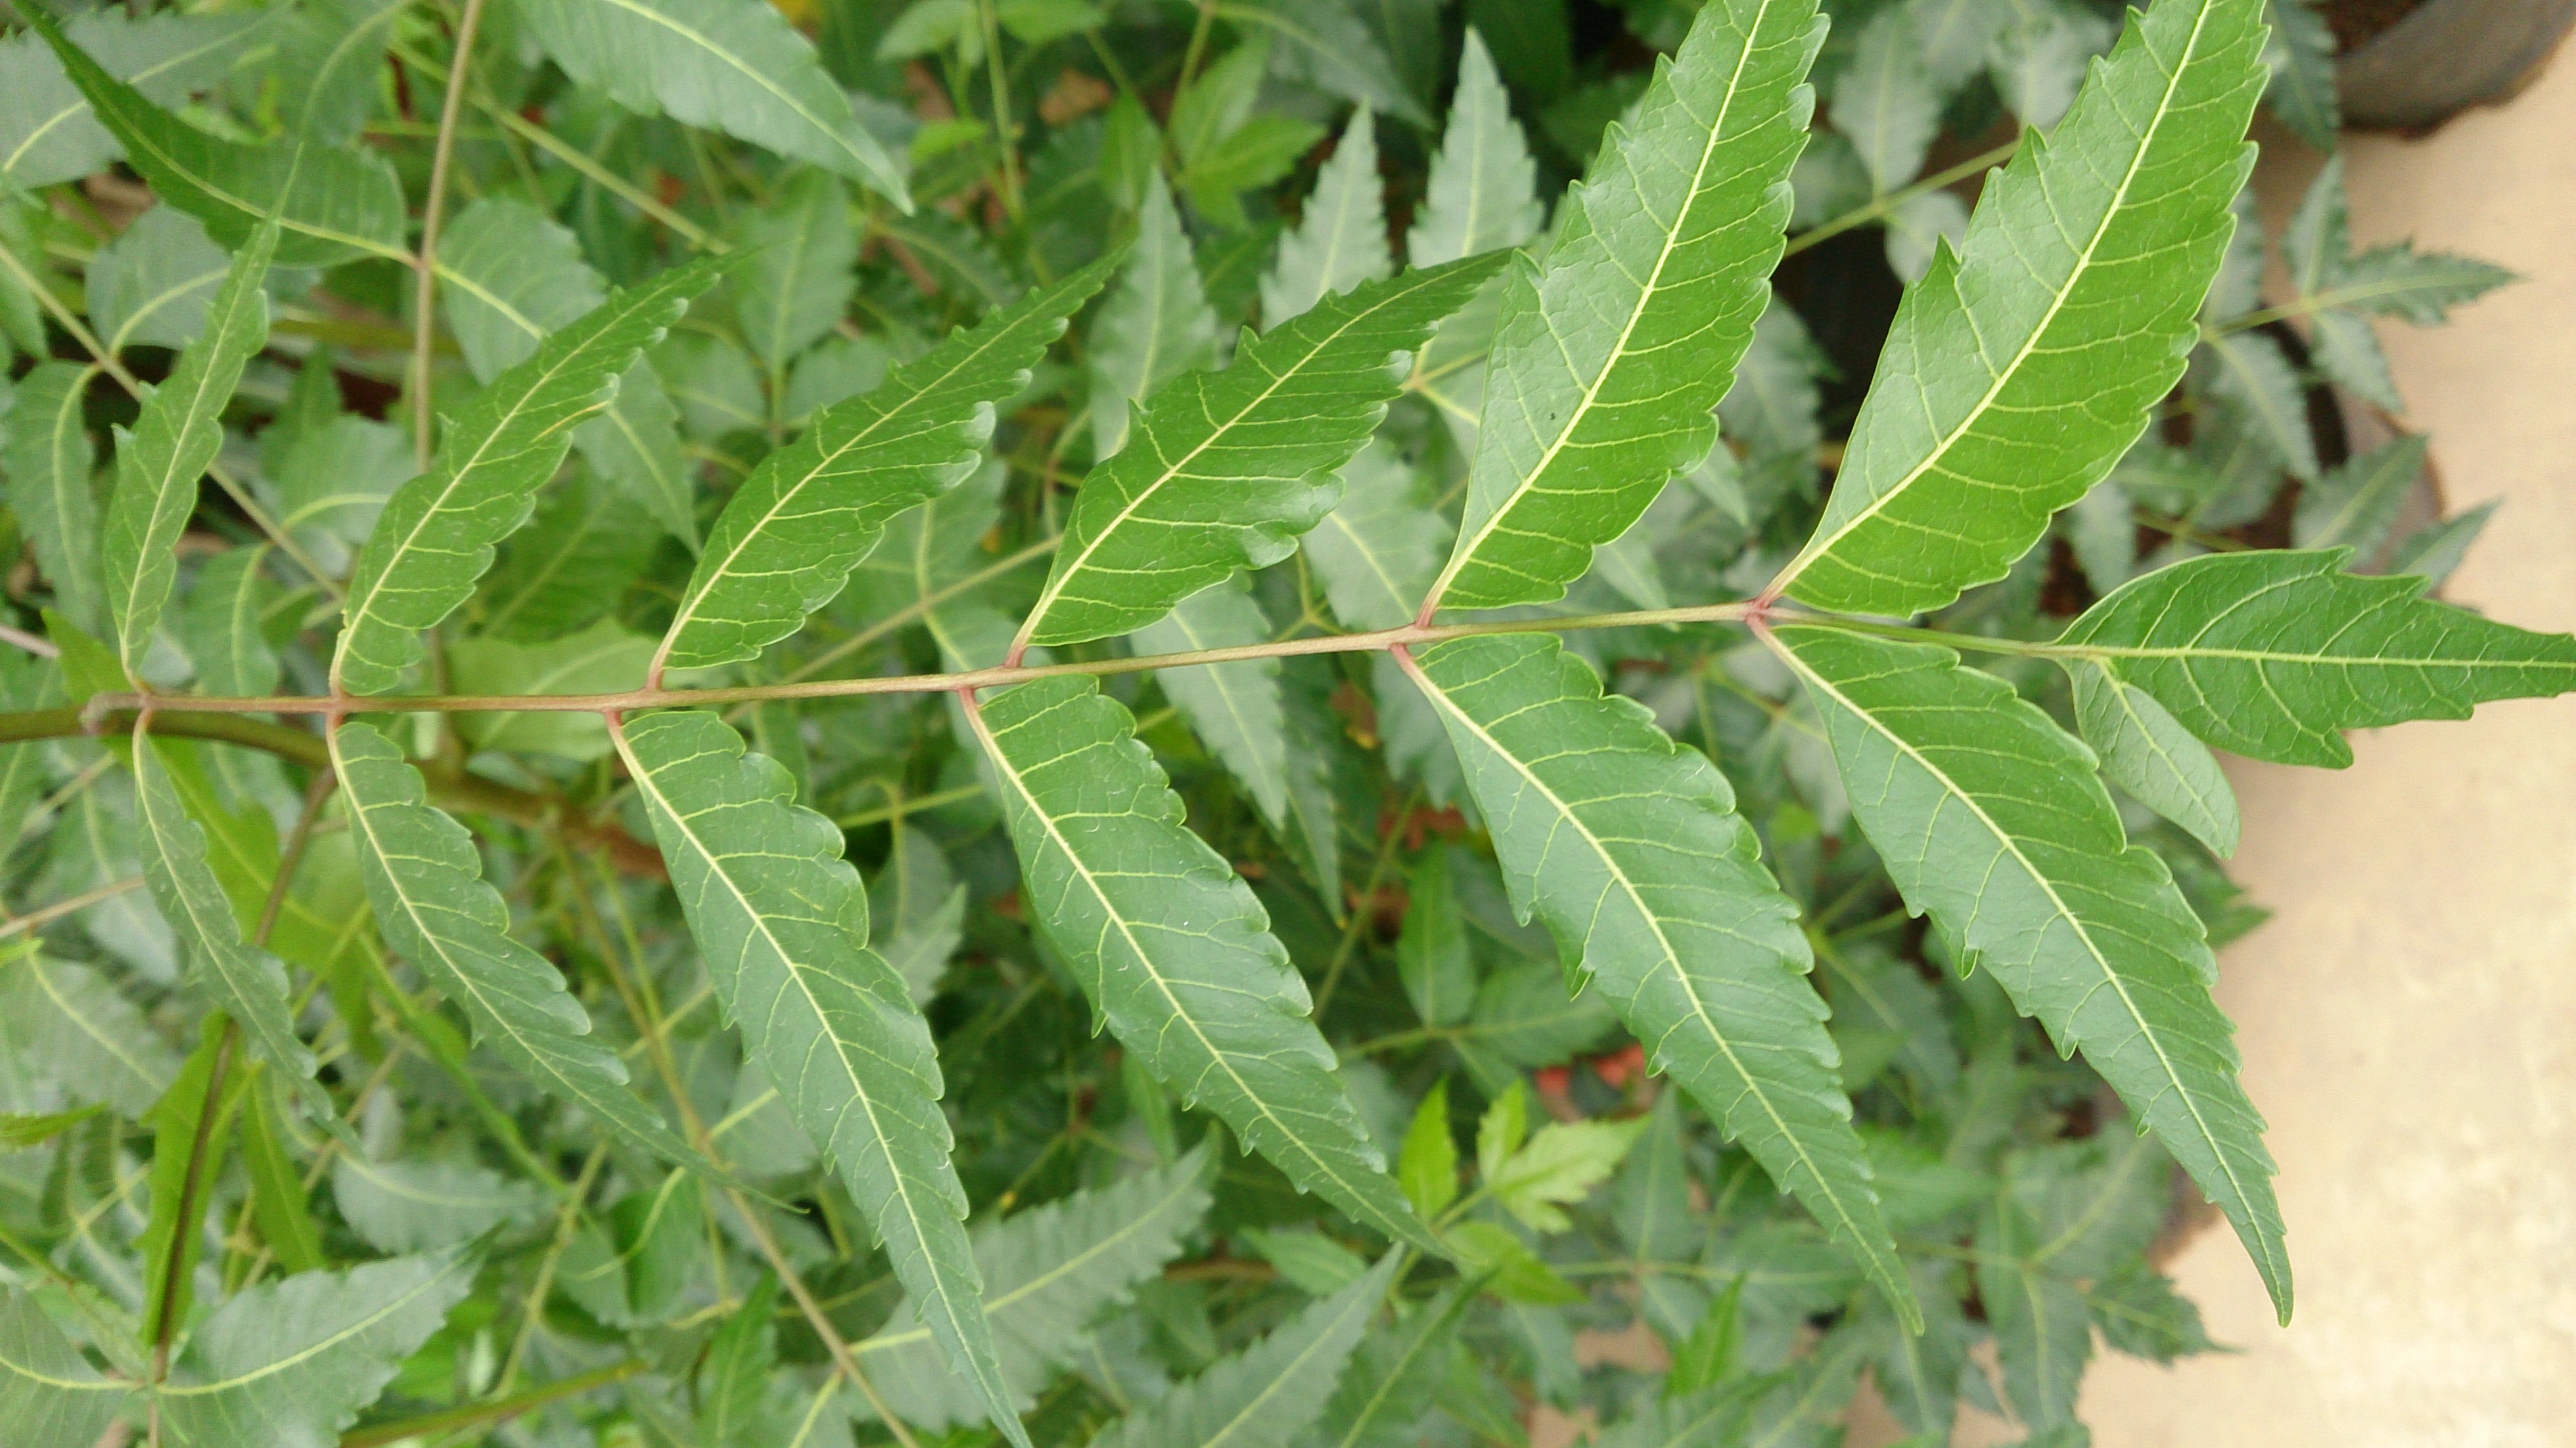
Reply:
x=2111, y=977
x=749, y=72
x=187, y=1390
x=2021, y=354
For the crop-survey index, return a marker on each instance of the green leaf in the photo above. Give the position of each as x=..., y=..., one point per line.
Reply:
x=2302, y=60
x=2433, y=551
x=1712, y=1418
x=1155, y=325
x=241, y=980
x=50, y=1394
x=801, y=268
x=2147, y=752
x=2269, y=654
x=1427, y=1167
x=1227, y=468
x=1049, y=1273
x=19, y=1131
x=1707, y=1356
x=1327, y=47
x=277, y=1196
x=601, y=659
x=2018, y=371
x=224, y=623
x=2253, y=375
x=2394, y=280
x=1234, y=709
x=330, y=203
x=435, y=536
x=47, y=131
x=1340, y=238
x=1309, y=1261
x=1433, y=956
x=2038, y=63
x=1482, y=192
x=2355, y=504
x=425, y=882
x=1169, y=943
x=1610, y=355
x=1512, y=1271
x=812, y=510
x=289, y=1364
x=49, y=458
x=2140, y=1314
x=1557, y=1167
x=1265, y=1395
x=417, y=1204
x=150, y=286
x=1990, y=821
x=178, y=434
x=333, y=50
x=783, y=923
x=1628, y=848
x=1379, y=548
x=66, y=1027
x=588, y=543
x=1884, y=103
x=740, y=1362
x=919, y=907
x=1394, y=1374
x=731, y=65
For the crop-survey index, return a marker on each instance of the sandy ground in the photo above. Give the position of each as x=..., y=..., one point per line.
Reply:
x=2409, y=1017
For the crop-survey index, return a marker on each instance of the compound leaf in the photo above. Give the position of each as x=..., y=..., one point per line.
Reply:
x=180, y=430
x=2022, y=366
x=1990, y=820
x=1629, y=849
x=735, y=66
x=1226, y=468
x=782, y=921
x=812, y=510
x=435, y=536
x=2270, y=654
x=289, y=1364
x=1170, y=944
x=1609, y=356
x=426, y=884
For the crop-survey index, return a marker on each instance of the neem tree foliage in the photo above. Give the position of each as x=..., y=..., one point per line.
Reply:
x=1058, y=721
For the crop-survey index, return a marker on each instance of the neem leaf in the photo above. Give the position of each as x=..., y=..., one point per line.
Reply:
x=1265, y=1395
x=1611, y=354
x=2020, y=368
x=49, y=1394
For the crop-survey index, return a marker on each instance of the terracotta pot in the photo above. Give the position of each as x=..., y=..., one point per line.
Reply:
x=2446, y=56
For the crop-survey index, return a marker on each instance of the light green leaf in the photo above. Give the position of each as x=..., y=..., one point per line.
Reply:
x=1427, y=1166
x=783, y=923
x=920, y=909
x=1611, y=354
x=47, y=131
x=333, y=51
x=241, y=980
x=601, y=659
x=330, y=203
x=1169, y=943
x=1309, y=1261
x=510, y=275
x=2140, y=1314
x=1378, y=550
x=1234, y=709
x=1265, y=1395
x=797, y=280
x=2249, y=372
x=51, y=1396
x=1990, y=821
x=18, y=1131
x=2147, y=752
x=1393, y=1377
x=425, y=882
x=2433, y=551
x=224, y=621
x=1628, y=848
x=1327, y=47
x=67, y=1035
x=1557, y=1167
x=740, y=1363
x=2038, y=62
x=1918, y=227
x=1884, y=103
x=812, y=510
x=1482, y=192
x=416, y=1204
x=1155, y=325
x=49, y=458
x=1650, y=1205
x=1340, y=239
x=289, y=1364
x=1049, y=1273
x=1951, y=36
x=150, y=286
x=178, y=434
x=331, y=482
x=435, y=536
x=2270, y=654
x=2016, y=375
x=2394, y=280
x=1227, y=468
x=588, y=543
x=2355, y=504
x=731, y=65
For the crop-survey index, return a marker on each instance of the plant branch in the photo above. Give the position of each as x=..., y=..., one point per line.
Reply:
x=37, y=919
x=425, y=297
x=1883, y=205
x=498, y=1410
